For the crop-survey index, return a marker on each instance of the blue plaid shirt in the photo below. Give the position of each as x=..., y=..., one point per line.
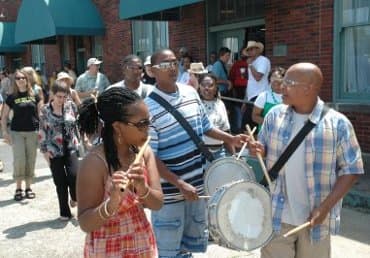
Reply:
x=331, y=151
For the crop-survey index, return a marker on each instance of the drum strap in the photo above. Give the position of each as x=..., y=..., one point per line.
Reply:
x=274, y=171
x=185, y=124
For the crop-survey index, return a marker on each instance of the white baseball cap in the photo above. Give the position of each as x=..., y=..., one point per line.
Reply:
x=94, y=61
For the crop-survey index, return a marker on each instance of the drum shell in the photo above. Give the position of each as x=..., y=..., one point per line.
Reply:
x=216, y=206
x=224, y=171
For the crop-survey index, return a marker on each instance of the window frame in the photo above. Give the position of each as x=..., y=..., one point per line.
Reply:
x=339, y=94
x=162, y=36
x=38, y=56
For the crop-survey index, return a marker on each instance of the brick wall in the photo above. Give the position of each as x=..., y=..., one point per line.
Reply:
x=9, y=9
x=117, y=41
x=190, y=32
x=306, y=27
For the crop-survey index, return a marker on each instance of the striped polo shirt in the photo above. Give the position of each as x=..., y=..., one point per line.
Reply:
x=172, y=144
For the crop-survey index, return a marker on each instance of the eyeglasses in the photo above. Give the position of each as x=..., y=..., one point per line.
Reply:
x=166, y=65
x=141, y=125
x=20, y=78
x=290, y=83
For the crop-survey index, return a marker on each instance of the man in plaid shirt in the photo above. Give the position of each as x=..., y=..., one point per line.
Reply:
x=311, y=185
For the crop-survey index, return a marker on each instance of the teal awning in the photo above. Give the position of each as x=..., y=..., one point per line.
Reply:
x=152, y=10
x=42, y=20
x=7, y=43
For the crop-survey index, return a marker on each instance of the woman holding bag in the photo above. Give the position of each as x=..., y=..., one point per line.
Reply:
x=58, y=143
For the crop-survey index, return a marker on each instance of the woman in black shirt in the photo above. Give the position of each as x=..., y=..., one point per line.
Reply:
x=25, y=105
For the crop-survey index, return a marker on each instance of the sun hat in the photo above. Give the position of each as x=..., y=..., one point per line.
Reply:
x=64, y=75
x=197, y=68
x=255, y=44
x=94, y=61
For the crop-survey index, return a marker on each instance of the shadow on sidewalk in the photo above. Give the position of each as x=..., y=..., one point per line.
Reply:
x=22, y=230
x=7, y=182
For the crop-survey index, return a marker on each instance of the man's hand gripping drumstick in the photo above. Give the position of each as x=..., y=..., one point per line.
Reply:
x=259, y=156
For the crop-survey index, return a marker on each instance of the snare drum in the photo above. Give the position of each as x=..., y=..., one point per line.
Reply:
x=224, y=171
x=240, y=216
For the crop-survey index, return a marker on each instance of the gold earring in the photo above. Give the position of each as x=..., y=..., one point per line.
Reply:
x=119, y=139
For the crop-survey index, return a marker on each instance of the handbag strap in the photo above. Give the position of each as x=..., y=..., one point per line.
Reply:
x=275, y=169
x=185, y=124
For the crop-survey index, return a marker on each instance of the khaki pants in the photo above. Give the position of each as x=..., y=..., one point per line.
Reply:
x=24, y=154
x=296, y=246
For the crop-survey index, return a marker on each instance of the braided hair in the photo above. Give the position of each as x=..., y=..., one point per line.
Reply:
x=111, y=106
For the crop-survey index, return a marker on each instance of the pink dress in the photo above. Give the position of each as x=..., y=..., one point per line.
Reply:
x=127, y=234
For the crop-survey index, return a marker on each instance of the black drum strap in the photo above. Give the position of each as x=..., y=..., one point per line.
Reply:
x=185, y=124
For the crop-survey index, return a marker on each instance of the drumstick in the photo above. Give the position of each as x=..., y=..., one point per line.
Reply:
x=296, y=229
x=200, y=197
x=245, y=145
x=260, y=159
x=137, y=159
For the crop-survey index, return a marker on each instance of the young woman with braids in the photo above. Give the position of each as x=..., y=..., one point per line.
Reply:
x=115, y=221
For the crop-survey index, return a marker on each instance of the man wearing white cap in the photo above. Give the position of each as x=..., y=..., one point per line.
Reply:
x=92, y=81
x=259, y=68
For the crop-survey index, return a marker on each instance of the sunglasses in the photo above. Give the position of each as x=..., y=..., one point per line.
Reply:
x=141, y=125
x=166, y=65
x=20, y=78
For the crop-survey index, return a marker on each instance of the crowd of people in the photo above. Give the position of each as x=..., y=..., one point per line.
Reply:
x=111, y=186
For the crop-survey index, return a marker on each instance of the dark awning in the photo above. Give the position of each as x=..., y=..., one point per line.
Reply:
x=40, y=21
x=152, y=10
x=7, y=43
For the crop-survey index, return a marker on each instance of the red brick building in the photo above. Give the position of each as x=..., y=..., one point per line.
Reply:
x=331, y=34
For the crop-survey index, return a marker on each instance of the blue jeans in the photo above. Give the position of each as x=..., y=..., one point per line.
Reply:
x=180, y=227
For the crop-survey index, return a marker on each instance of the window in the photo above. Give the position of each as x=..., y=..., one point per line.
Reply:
x=229, y=11
x=353, y=49
x=38, y=56
x=66, y=55
x=149, y=36
x=98, y=47
x=2, y=62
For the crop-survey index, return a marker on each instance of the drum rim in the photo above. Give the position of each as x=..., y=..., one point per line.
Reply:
x=227, y=242
x=223, y=160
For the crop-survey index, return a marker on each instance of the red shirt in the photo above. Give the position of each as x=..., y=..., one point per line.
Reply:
x=235, y=73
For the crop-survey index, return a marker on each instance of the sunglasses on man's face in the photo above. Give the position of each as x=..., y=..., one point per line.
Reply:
x=166, y=65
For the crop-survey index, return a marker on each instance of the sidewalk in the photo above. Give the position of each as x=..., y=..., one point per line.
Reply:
x=30, y=228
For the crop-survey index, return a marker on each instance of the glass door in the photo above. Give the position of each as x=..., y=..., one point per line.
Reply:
x=233, y=39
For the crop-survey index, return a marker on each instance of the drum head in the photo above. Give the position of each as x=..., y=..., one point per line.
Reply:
x=224, y=171
x=244, y=216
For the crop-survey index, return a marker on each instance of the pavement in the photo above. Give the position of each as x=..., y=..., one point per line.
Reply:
x=30, y=228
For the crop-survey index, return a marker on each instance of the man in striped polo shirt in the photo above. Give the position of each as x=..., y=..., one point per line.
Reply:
x=181, y=225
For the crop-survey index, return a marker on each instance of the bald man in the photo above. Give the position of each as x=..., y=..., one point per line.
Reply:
x=316, y=176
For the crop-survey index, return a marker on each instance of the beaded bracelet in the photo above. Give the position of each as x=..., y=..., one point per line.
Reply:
x=106, y=209
x=144, y=196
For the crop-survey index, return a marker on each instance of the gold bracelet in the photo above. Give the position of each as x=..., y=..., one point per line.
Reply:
x=106, y=208
x=144, y=196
